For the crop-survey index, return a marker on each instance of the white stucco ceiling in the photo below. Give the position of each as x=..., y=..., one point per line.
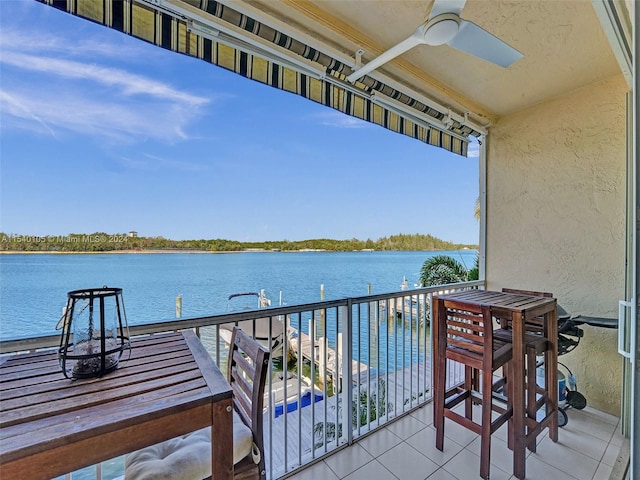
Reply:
x=562, y=41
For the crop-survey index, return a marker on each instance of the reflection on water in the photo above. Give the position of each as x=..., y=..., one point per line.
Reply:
x=34, y=288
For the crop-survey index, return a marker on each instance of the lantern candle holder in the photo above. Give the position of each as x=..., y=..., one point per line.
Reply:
x=95, y=333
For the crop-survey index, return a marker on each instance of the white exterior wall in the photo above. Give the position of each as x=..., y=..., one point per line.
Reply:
x=556, y=218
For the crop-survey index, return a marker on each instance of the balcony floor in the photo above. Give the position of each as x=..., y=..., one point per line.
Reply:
x=405, y=450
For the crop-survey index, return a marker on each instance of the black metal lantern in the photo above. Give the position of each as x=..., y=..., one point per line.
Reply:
x=94, y=332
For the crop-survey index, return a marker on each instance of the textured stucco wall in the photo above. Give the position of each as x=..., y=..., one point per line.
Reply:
x=556, y=218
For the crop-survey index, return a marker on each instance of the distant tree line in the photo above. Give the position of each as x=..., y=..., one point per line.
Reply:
x=108, y=242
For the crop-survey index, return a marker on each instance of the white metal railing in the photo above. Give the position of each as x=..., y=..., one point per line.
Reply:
x=339, y=370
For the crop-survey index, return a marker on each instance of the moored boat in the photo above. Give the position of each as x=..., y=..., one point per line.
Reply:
x=268, y=330
x=299, y=391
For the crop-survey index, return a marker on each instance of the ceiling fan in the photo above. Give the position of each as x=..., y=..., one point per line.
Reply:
x=444, y=26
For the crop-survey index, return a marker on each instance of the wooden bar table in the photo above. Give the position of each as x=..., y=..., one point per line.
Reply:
x=50, y=425
x=521, y=308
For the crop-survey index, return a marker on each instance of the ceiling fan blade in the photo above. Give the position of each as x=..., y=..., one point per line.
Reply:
x=475, y=40
x=446, y=6
x=408, y=43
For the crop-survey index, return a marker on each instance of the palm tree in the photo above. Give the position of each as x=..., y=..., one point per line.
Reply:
x=474, y=273
x=442, y=269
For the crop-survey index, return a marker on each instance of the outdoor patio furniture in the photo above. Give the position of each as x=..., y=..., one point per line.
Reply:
x=520, y=309
x=52, y=425
x=536, y=344
x=464, y=333
x=189, y=457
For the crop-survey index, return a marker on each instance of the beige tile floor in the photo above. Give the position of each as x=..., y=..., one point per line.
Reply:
x=405, y=450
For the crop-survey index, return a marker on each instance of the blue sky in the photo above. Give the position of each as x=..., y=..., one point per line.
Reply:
x=103, y=132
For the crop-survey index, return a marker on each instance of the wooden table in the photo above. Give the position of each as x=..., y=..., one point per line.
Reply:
x=50, y=425
x=521, y=308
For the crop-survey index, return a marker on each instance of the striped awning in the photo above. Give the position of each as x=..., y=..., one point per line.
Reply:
x=174, y=32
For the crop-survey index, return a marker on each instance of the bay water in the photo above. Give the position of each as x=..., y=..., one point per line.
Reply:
x=33, y=287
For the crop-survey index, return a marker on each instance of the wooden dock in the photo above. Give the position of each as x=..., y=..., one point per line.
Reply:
x=300, y=344
x=408, y=306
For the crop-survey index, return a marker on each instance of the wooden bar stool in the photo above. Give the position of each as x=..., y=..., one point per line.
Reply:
x=463, y=333
x=536, y=344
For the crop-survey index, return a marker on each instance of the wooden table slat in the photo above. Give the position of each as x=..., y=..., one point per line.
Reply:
x=142, y=347
x=129, y=407
x=15, y=397
x=93, y=422
x=212, y=375
x=168, y=387
x=144, y=344
x=49, y=404
x=57, y=459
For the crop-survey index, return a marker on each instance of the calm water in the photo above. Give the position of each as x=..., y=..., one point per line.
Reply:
x=33, y=288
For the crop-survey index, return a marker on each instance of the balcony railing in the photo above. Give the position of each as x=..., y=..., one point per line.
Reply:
x=339, y=370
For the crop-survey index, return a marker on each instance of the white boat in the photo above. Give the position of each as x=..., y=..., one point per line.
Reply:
x=268, y=331
x=295, y=385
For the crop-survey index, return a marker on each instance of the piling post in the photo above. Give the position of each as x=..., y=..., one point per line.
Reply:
x=179, y=306
x=321, y=318
x=322, y=359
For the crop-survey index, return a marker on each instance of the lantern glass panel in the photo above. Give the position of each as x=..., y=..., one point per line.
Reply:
x=95, y=332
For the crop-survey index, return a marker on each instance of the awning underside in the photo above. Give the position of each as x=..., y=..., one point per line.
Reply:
x=325, y=84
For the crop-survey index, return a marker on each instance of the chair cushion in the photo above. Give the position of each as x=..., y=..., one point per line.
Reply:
x=185, y=458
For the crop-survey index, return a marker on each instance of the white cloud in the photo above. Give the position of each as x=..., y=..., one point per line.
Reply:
x=42, y=41
x=43, y=92
x=340, y=120
x=17, y=108
x=92, y=115
x=127, y=83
